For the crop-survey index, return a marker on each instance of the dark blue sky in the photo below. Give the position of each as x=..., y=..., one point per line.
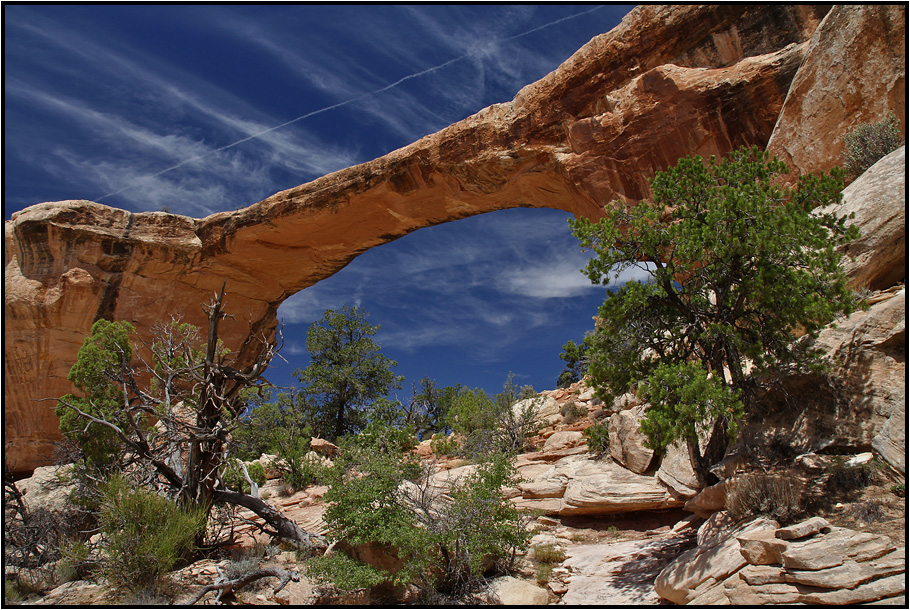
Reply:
x=207, y=108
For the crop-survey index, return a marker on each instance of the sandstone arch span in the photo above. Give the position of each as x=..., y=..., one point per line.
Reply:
x=667, y=82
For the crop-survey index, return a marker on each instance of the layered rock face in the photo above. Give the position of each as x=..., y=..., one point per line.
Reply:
x=854, y=72
x=668, y=82
x=756, y=563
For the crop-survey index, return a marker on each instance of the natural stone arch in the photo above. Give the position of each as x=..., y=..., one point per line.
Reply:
x=668, y=82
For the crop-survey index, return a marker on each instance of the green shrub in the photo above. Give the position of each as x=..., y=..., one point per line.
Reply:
x=11, y=594
x=380, y=494
x=298, y=468
x=845, y=479
x=344, y=573
x=764, y=495
x=869, y=142
x=233, y=475
x=143, y=534
x=548, y=553
x=571, y=413
x=899, y=489
x=598, y=437
x=544, y=572
x=444, y=445
x=492, y=425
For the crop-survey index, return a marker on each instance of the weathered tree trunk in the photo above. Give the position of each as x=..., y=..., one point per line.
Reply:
x=285, y=528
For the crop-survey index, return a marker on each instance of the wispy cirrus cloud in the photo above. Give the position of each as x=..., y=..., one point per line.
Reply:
x=497, y=276
x=146, y=116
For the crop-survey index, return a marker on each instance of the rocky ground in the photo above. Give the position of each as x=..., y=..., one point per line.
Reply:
x=613, y=555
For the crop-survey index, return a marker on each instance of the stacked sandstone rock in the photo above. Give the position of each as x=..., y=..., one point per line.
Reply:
x=758, y=563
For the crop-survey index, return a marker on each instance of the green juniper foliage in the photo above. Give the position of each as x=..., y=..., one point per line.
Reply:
x=98, y=374
x=347, y=372
x=737, y=266
x=573, y=354
x=379, y=493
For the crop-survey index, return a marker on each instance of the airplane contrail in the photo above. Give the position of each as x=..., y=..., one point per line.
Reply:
x=346, y=102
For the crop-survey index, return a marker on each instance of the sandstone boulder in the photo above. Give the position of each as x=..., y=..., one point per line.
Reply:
x=600, y=488
x=877, y=260
x=627, y=441
x=47, y=488
x=619, y=573
x=697, y=571
x=564, y=440
x=510, y=591
x=542, y=407
x=854, y=72
x=802, y=529
x=323, y=447
x=827, y=566
x=676, y=472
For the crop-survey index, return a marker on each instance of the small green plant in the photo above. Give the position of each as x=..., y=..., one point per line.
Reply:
x=143, y=534
x=544, y=572
x=74, y=560
x=571, y=413
x=241, y=566
x=613, y=531
x=11, y=594
x=233, y=477
x=343, y=572
x=444, y=445
x=899, y=489
x=869, y=142
x=767, y=495
x=599, y=437
x=548, y=553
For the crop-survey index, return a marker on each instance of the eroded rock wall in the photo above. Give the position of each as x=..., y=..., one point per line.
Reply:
x=667, y=82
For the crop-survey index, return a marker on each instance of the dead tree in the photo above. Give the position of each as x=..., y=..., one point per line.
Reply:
x=179, y=423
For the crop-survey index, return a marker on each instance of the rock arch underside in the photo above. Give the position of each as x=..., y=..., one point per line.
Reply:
x=666, y=83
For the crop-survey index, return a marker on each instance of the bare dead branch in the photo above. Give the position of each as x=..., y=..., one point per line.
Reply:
x=224, y=586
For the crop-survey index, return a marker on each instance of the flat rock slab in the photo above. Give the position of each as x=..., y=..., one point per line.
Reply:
x=832, y=549
x=619, y=573
x=803, y=529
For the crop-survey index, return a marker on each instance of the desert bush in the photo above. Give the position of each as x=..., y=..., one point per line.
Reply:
x=846, y=479
x=543, y=573
x=344, y=573
x=780, y=450
x=492, y=425
x=571, y=413
x=598, y=437
x=548, y=553
x=771, y=496
x=899, y=489
x=380, y=494
x=868, y=511
x=869, y=142
x=11, y=594
x=234, y=479
x=143, y=534
x=444, y=445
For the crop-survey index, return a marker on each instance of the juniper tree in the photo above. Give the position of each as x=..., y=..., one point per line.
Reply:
x=177, y=424
x=347, y=372
x=737, y=267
